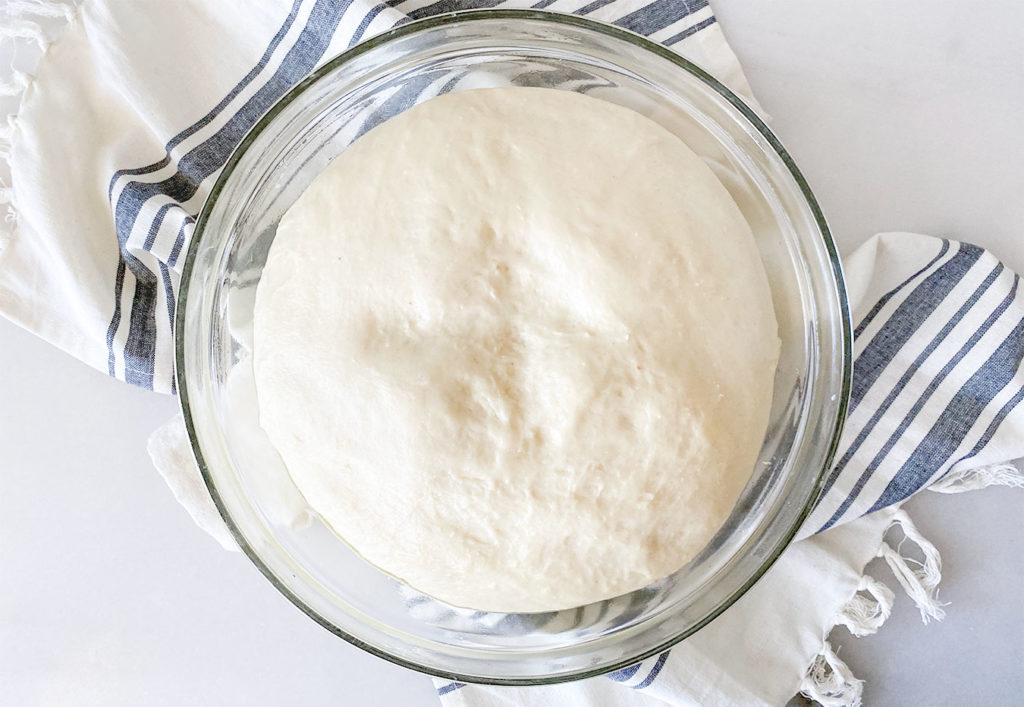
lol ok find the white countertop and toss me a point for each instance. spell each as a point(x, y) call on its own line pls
point(903, 116)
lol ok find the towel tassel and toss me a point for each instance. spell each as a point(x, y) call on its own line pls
point(16, 85)
point(919, 579)
point(30, 21)
point(14, 28)
point(40, 8)
point(972, 479)
point(830, 682)
point(868, 609)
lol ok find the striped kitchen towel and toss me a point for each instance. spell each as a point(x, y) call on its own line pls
point(161, 93)
point(937, 379)
point(117, 137)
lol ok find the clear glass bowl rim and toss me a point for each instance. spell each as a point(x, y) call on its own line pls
point(556, 18)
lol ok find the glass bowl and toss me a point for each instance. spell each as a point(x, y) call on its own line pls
point(312, 124)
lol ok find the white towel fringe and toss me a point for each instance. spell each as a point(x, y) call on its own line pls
point(16, 85)
point(39, 8)
point(919, 579)
point(830, 682)
point(972, 479)
point(37, 22)
point(16, 28)
point(869, 608)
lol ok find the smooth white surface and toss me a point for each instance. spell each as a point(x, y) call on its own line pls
point(902, 116)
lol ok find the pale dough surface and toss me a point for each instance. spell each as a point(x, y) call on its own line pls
point(516, 346)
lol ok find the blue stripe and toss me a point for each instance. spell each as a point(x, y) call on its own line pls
point(907, 319)
point(991, 429)
point(605, 605)
point(165, 276)
point(659, 15)
point(194, 167)
point(206, 119)
point(155, 167)
point(141, 343)
point(595, 5)
point(907, 375)
point(624, 674)
point(348, 121)
point(154, 228)
point(365, 23)
point(450, 687)
point(870, 316)
point(450, 83)
point(654, 672)
point(404, 98)
point(442, 6)
point(535, 621)
point(115, 319)
point(559, 76)
point(689, 31)
point(578, 616)
point(956, 420)
point(179, 241)
point(931, 440)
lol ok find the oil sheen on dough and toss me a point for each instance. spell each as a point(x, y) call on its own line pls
point(516, 346)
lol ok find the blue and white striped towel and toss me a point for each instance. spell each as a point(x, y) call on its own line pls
point(102, 207)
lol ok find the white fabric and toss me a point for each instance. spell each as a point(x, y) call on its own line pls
point(169, 449)
point(127, 75)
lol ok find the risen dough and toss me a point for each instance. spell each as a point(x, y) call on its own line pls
point(516, 346)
